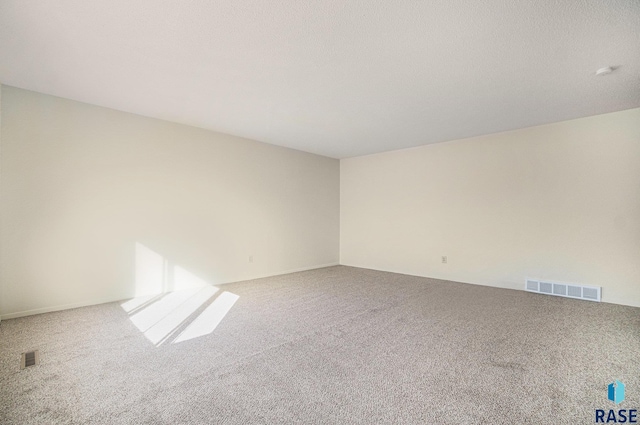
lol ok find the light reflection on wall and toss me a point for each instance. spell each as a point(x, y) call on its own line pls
point(171, 304)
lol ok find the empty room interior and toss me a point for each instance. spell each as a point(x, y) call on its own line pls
point(385, 212)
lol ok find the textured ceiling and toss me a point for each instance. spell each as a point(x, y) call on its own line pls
point(333, 77)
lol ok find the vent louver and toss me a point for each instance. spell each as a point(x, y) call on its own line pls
point(591, 294)
point(532, 285)
point(559, 289)
point(583, 292)
point(546, 288)
point(30, 358)
point(574, 291)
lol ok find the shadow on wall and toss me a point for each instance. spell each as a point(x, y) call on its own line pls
point(172, 305)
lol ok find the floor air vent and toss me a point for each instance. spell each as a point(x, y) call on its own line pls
point(591, 293)
point(28, 359)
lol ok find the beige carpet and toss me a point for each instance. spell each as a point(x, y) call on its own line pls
point(334, 345)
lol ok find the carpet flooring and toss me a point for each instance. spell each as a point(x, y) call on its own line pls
point(327, 346)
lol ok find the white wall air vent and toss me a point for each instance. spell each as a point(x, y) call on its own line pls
point(569, 290)
point(532, 285)
point(546, 288)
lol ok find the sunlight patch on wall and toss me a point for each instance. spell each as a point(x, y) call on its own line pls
point(171, 301)
point(151, 272)
point(182, 279)
point(154, 274)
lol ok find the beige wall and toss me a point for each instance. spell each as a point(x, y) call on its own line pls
point(92, 199)
point(1, 295)
point(559, 202)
